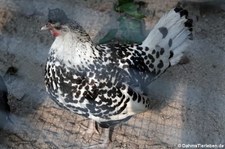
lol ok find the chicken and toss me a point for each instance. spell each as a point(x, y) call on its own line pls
point(108, 83)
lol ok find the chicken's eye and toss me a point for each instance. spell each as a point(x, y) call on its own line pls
point(50, 21)
point(58, 27)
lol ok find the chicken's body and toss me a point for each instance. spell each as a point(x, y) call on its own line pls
point(106, 83)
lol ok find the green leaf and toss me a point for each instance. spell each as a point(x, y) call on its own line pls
point(131, 29)
point(121, 2)
point(130, 9)
point(109, 36)
point(136, 14)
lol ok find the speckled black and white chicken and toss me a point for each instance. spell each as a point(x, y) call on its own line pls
point(107, 83)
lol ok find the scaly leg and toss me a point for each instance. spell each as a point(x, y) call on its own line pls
point(89, 131)
point(106, 139)
point(92, 127)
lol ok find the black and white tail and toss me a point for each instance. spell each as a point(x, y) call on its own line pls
point(173, 33)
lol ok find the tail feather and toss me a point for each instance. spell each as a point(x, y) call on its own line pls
point(173, 33)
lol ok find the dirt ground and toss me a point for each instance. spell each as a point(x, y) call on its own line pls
point(194, 93)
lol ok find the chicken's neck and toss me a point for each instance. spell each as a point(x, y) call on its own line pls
point(74, 51)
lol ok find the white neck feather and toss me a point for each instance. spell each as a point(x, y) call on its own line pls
point(72, 51)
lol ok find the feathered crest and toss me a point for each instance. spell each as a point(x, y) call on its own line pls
point(57, 16)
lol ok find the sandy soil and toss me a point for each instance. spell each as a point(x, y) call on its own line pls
point(194, 93)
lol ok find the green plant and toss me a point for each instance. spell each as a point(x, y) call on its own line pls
point(131, 23)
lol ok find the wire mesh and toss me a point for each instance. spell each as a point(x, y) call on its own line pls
point(40, 124)
point(49, 126)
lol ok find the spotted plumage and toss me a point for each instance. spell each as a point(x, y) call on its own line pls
point(107, 83)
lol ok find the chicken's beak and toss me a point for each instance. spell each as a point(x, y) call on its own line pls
point(44, 28)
